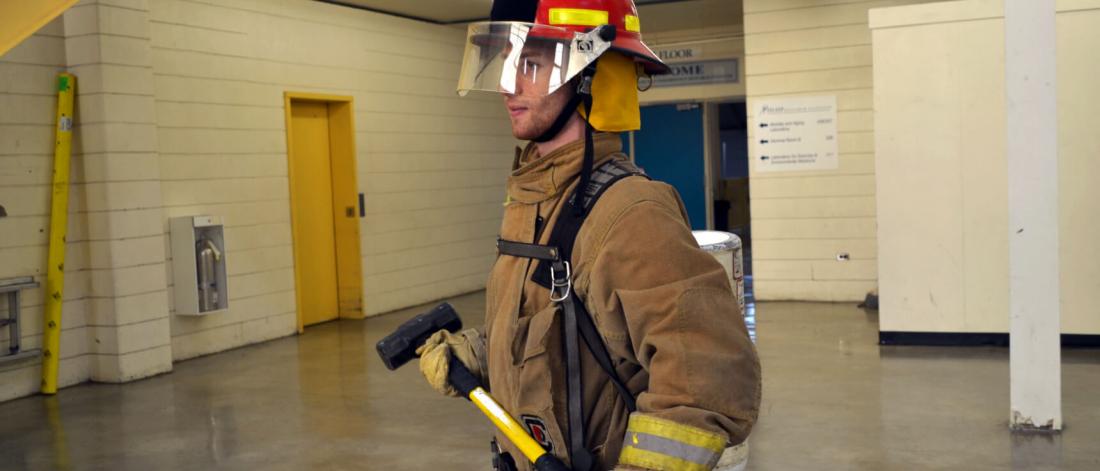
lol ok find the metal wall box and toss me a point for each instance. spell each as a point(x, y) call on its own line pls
point(200, 285)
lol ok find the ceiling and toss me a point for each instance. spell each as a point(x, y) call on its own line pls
point(697, 13)
point(434, 11)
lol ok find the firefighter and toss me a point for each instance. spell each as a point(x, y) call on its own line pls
point(664, 375)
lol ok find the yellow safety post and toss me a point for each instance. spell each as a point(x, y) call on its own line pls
point(59, 220)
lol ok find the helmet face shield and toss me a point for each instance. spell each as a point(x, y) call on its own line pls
point(524, 58)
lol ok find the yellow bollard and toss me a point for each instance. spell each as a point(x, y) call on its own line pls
point(59, 219)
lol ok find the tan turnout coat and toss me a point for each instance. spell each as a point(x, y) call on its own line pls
point(663, 306)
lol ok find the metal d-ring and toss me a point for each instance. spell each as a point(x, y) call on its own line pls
point(563, 286)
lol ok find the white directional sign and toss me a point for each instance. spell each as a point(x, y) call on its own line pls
point(795, 134)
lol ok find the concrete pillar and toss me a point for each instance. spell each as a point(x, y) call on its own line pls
point(108, 48)
point(1034, 287)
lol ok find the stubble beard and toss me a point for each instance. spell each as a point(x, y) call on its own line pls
point(540, 115)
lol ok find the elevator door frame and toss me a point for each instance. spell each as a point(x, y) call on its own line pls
point(345, 201)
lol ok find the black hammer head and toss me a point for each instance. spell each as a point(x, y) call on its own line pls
point(400, 346)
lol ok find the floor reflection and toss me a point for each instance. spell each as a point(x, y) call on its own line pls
point(833, 399)
point(59, 445)
point(1036, 450)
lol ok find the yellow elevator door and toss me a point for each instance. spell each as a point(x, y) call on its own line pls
point(311, 196)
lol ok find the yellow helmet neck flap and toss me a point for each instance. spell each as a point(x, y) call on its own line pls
point(615, 95)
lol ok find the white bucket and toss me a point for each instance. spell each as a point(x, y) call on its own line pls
point(726, 248)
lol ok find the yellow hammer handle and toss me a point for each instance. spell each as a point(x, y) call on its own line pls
point(512, 429)
point(461, 378)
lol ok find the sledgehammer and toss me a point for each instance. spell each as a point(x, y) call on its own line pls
point(400, 347)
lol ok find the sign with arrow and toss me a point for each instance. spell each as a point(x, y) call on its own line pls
point(795, 134)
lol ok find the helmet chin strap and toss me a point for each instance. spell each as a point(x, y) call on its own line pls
point(598, 41)
point(603, 35)
point(584, 90)
point(583, 95)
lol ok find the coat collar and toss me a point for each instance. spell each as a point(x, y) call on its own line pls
point(536, 178)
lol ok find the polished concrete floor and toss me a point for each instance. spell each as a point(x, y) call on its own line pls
point(833, 400)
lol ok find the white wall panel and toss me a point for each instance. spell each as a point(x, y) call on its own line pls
point(942, 175)
point(803, 47)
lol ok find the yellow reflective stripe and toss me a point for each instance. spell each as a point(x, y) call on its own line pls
point(631, 456)
point(686, 434)
point(577, 16)
point(633, 24)
point(669, 447)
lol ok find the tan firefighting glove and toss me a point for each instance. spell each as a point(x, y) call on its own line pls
point(467, 346)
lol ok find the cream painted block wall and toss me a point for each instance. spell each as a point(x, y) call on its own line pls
point(108, 48)
point(27, 106)
point(432, 165)
point(942, 182)
point(802, 220)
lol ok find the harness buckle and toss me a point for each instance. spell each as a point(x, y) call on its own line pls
point(584, 87)
point(560, 287)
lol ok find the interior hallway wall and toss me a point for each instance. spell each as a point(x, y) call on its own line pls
point(108, 49)
point(945, 252)
point(28, 101)
point(802, 220)
point(115, 318)
point(432, 165)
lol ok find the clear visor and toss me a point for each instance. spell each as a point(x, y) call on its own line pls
point(524, 58)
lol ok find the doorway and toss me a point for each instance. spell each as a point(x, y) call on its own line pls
point(325, 207)
point(670, 148)
point(731, 197)
point(702, 150)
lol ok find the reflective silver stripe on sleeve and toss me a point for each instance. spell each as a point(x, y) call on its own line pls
point(673, 448)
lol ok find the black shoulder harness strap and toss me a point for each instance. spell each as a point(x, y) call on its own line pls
point(566, 228)
point(554, 273)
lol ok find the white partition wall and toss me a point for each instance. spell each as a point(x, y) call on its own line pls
point(942, 172)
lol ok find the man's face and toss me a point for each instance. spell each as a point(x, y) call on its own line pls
point(530, 109)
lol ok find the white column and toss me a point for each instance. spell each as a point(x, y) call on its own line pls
point(108, 48)
point(1034, 288)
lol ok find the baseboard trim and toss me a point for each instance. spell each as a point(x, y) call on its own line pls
point(973, 339)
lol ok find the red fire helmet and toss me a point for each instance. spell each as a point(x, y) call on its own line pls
point(542, 44)
point(583, 15)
